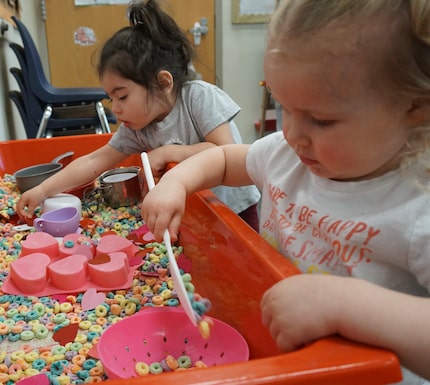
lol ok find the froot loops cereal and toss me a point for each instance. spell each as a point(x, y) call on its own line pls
point(29, 324)
point(168, 364)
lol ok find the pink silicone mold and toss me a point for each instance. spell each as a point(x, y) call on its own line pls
point(46, 266)
point(69, 272)
point(113, 272)
point(30, 280)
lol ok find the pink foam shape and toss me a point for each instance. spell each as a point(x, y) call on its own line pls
point(112, 243)
point(69, 272)
point(37, 379)
point(77, 240)
point(114, 272)
point(40, 242)
point(29, 272)
point(91, 299)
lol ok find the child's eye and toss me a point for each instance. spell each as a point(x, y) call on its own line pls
point(123, 97)
point(322, 122)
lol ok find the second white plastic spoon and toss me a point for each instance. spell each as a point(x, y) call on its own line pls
point(174, 269)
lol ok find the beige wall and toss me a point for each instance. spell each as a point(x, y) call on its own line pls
point(239, 66)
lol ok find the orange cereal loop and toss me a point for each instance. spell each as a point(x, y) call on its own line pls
point(96, 371)
point(157, 300)
point(137, 290)
point(4, 329)
point(75, 368)
point(115, 309)
point(17, 328)
point(101, 321)
point(79, 359)
point(171, 362)
point(200, 364)
point(151, 281)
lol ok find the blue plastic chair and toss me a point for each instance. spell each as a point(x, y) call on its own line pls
point(18, 100)
point(50, 96)
point(57, 120)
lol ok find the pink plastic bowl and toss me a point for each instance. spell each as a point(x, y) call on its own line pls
point(152, 334)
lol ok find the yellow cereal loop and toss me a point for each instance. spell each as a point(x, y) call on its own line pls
point(141, 368)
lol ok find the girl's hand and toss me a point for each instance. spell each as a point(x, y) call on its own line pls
point(159, 161)
point(29, 201)
point(163, 207)
point(301, 309)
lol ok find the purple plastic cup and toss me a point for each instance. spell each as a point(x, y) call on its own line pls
point(59, 222)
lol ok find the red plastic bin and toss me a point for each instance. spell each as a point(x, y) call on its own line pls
point(232, 266)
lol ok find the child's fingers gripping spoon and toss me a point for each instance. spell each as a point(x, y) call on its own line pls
point(174, 270)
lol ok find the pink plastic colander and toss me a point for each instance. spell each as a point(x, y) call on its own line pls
point(152, 334)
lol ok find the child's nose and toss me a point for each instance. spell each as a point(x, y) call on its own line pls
point(115, 108)
point(294, 133)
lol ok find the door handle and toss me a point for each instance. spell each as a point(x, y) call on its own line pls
point(200, 28)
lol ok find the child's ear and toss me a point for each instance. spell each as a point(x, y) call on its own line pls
point(419, 112)
point(165, 80)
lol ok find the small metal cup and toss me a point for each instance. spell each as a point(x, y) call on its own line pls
point(121, 186)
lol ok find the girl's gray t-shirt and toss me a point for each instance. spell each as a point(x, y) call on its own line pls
point(199, 109)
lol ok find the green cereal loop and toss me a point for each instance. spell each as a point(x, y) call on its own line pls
point(40, 308)
point(155, 368)
point(189, 287)
point(59, 318)
point(26, 335)
point(11, 313)
point(75, 346)
point(9, 322)
point(41, 331)
point(92, 317)
point(186, 277)
point(184, 362)
point(58, 350)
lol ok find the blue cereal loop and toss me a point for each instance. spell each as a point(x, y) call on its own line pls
point(38, 364)
point(69, 244)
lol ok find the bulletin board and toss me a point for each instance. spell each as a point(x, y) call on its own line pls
point(9, 8)
point(251, 11)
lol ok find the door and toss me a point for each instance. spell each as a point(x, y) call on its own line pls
point(75, 33)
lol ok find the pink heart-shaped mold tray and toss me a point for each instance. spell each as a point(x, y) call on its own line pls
point(47, 266)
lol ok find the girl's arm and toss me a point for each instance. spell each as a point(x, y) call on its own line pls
point(81, 171)
point(163, 206)
point(303, 308)
point(160, 157)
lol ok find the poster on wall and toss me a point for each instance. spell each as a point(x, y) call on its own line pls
point(251, 11)
point(79, 3)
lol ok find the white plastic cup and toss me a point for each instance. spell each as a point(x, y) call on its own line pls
point(62, 200)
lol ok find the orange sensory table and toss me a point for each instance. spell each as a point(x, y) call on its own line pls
point(232, 266)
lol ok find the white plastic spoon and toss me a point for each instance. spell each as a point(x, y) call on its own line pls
point(174, 269)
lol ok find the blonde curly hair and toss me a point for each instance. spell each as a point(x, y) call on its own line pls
point(401, 68)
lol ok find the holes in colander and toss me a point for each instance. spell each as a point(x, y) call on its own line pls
point(127, 348)
point(221, 355)
point(186, 340)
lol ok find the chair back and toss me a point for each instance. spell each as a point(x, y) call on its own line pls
point(33, 64)
point(29, 127)
point(40, 85)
